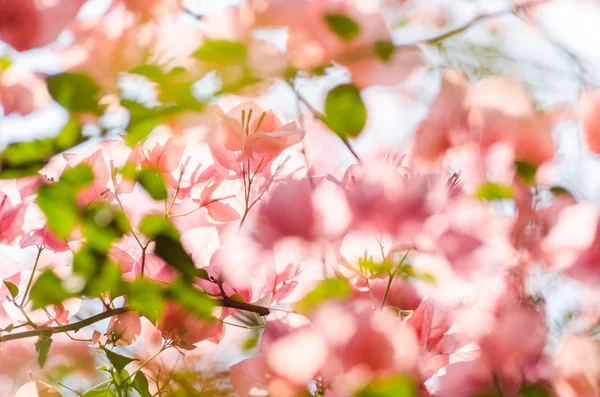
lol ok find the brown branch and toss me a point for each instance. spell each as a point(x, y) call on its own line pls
point(249, 307)
point(225, 302)
point(64, 328)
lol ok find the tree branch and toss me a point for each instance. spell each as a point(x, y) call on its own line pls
point(225, 302)
point(65, 328)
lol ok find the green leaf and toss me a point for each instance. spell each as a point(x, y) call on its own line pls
point(140, 129)
point(251, 342)
point(151, 72)
point(69, 136)
point(27, 158)
point(118, 361)
point(203, 274)
point(192, 299)
point(384, 50)
point(331, 288)
point(222, 52)
point(147, 298)
point(526, 171)
point(101, 275)
point(60, 207)
point(175, 255)
point(42, 347)
point(78, 177)
point(559, 190)
point(140, 384)
point(345, 111)
point(154, 225)
point(346, 28)
point(153, 182)
point(101, 393)
point(76, 92)
point(529, 390)
point(102, 225)
point(394, 386)
point(48, 290)
point(13, 289)
point(494, 191)
point(108, 280)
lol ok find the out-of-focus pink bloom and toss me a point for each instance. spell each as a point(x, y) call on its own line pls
point(105, 47)
point(577, 366)
point(37, 388)
point(22, 91)
point(501, 110)
point(588, 112)
point(124, 329)
point(391, 198)
point(20, 356)
point(185, 329)
point(446, 123)
point(27, 24)
point(250, 377)
point(297, 209)
point(152, 9)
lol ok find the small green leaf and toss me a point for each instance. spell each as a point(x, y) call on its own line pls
point(175, 255)
point(118, 361)
point(154, 225)
point(526, 171)
point(153, 182)
point(331, 288)
point(140, 129)
point(203, 274)
point(79, 176)
point(76, 92)
point(393, 386)
point(42, 347)
point(192, 299)
point(101, 393)
point(140, 384)
point(48, 290)
point(151, 72)
point(27, 158)
point(345, 111)
point(346, 28)
point(494, 191)
point(13, 289)
point(222, 52)
point(102, 225)
point(147, 298)
point(251, 342)
point(60, 207)
point(384, 50)
point(530, 390)
point(558, 191)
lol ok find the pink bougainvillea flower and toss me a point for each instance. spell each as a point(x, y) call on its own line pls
point(124, 329)
point(588, 111)
point(105, 47)
point(446, 123)
point(577, 366)
point(250, 133)
point(22, 91)
point(250, 377)
point(28, 24)
point(186, 329)
point(501, 109)
point(99, 187)
point(152, 9)
point(37, 388)
point(296, 208)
